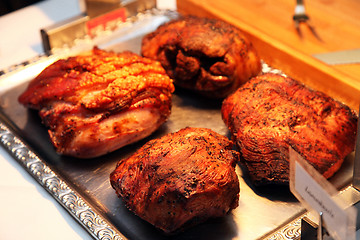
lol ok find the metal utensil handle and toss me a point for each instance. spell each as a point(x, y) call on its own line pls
point(320, 231)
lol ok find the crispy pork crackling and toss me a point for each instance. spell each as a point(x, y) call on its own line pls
point(98, 102)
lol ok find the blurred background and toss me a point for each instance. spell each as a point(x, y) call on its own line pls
point(7, 6)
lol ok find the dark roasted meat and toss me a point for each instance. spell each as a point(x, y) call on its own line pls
point(180, 179)
point(270, 113)
point(95, 103)
point(209, 56)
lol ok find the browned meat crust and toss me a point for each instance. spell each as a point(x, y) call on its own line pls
point(98, 102)
point(270, 113)
point(209, 56)
point(180, 179)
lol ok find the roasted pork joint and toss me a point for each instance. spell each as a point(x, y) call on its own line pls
point(98, 102)
point(208, 56)
point(271, 112)
point(179, 180)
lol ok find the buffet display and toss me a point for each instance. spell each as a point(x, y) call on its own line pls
point(178, 131)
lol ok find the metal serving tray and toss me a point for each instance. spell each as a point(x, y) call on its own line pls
point(82, 186)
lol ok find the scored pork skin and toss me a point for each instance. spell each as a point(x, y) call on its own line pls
point(97, 102)
point(271, 112)
point(180, 179)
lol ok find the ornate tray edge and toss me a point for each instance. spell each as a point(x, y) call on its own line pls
point(290, 230)
point(95, 224)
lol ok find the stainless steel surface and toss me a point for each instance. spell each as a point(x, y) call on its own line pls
point(263, 212)
point(356, 175)
point(96, 8)
point(65, 34)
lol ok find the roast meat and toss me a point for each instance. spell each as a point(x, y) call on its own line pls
point(208, 56)
point(271, 113)
point(180, 179)
point(98, 102)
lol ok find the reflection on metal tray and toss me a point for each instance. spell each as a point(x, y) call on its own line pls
point(83, 187)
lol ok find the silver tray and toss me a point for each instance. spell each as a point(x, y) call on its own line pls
point(82, 187)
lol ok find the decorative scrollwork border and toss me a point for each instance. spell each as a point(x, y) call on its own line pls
point(292, 230)
point(98, 227)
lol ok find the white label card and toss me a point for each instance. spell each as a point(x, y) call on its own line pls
point(166, 4)
point(316, 193)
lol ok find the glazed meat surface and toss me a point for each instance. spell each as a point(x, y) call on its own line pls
point(209, 56)
point(270, 113)
point(95, 103)
point(180, 179)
